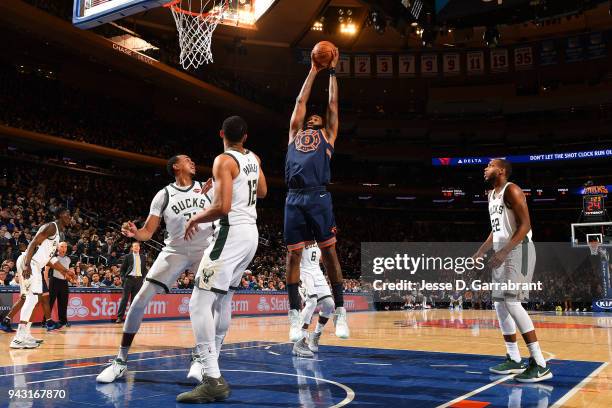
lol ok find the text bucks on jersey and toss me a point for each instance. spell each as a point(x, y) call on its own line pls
point(181, 205)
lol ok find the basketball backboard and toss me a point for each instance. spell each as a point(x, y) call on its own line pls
point(585, 232)
point(91, 13)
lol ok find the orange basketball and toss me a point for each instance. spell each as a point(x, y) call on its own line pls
point(323, 53)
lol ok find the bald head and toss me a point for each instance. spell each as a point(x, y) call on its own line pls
point(62, 248)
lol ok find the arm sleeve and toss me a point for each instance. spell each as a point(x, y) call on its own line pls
point(157, 205)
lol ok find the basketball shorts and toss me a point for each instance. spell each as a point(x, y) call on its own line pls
point(517, 268)
point(314, 285)
point(33, 285)
point(309, 213)
point(228, 256)
point(171, 262)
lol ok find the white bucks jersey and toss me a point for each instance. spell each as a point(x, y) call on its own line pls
point(46, 250)
point(503, 221)
point(177, 205)
point(309, 265)
point(244, 189)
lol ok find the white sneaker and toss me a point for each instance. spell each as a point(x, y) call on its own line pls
point(23, 343)
point(300, 349)
point(313, 342)
point(342, 329)
point(33, 339)
point(196, 369)
point(295, 332)
point(115, 370)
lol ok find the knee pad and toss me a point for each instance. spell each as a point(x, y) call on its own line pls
point(309, 307)
point(223, 313)
point(327, 307)
point(520, 316)
point(506, 321)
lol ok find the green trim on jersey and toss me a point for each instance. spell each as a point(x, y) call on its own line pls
point(219, 242)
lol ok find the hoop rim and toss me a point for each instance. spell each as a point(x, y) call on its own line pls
point(173, 5)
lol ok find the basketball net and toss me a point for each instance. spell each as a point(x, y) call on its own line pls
point(195, 25)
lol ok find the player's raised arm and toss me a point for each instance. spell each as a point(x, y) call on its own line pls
point(515, 200)
point(299, 111)
point(262, 185)
point(224, 171)
point(47, 231)
point(332, 105)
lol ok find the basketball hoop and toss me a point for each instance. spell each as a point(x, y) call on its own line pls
point(196, 20)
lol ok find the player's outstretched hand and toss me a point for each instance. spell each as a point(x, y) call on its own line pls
point(334, 61)
point(129, 229)
point(27, 272)
point(190, 229)
point(207, 186)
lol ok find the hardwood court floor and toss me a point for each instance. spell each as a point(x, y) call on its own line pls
point(578, 338)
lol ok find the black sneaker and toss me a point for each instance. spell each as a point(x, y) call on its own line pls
point(211, 390)
point(6, 326)
point(535, 373)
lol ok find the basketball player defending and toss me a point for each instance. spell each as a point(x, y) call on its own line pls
point(308, 207)
point(29, 268)
point(176, 204)
point(239, 182)
point(514, 261)
point(317, 292)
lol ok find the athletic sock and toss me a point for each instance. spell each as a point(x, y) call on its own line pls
point(219, 343)
point(338, 292)
point(208, 353)
point(536, 353)
point(294, 296)
point(319, 328)
point(513, 351)
point(123, 353)
point(21, 331)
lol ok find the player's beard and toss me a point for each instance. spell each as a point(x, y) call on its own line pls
point(314, 127)
point(492, 180)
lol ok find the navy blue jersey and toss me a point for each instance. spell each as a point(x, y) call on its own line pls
point(307, 162)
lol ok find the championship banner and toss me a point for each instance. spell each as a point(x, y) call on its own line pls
point(548, 53)
point(523, 58)
point(429, 64)
point(451, 64)
point(103, 306)
point(407, 65)
point(362, 65)
point(574, 52)
point(384, 65)
point(475, 62)
point(597, 46)
point(499, 60)
point(344, 65)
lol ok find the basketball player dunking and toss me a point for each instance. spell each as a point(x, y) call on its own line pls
point(176, 203)
point(29, 268)
point(514, 260)
point(308, 207)
point(239, 182)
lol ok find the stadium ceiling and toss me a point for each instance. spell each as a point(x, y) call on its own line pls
point(395, 24)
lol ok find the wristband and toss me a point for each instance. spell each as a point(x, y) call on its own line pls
point(332, 71)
